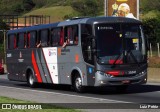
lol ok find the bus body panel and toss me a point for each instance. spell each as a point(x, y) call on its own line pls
point(50, 56)
point(69, 59)
point(55, 65)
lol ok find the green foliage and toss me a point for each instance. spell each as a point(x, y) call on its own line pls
point(15, 6)
point(28, 5)
point(87, 7)
point(148, 5)
point(6, 6)
point(40, 3)
point(152, 29)
point(56, 13)
point(1, 51)
point(3, 26)
point(49, 3)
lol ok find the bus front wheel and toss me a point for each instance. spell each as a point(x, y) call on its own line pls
point(78, 84)
point(30, 80)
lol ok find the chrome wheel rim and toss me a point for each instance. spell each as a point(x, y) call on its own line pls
point(31, 80)
point(78, 83)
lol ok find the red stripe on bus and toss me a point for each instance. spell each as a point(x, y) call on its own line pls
point(35, 66)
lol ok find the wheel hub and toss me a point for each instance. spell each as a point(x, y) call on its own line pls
point(31, 80)
point(78, 83)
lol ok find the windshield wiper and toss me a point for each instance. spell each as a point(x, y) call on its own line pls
point(133, 56)
point(114, 63)
point(128, 52)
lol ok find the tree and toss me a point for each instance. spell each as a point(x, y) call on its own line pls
point(3, 26)
point(40, 3)
point(28, 5)
point(148, 5)
point(17, 8)
point(152, 30)
point(86, 7)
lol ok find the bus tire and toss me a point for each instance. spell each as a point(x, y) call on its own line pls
point(31, 80)
point(78, 84)
point(121, 89)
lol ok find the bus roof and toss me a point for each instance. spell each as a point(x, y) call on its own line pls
point(87, 20)
point(93, 20)
point(33, 28)
point(112, 19)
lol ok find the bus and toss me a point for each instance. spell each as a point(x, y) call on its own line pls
point(98, 51)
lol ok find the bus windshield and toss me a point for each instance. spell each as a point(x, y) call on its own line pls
point(119, 43)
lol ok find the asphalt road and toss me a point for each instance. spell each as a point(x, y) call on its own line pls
point(137, 94)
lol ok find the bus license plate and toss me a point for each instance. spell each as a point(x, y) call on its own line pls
point(126, 81)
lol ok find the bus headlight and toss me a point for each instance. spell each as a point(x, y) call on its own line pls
point(104, 74)
point(142, 73)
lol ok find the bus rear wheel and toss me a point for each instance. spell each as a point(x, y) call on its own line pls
point(30, 80)
point(78, 84)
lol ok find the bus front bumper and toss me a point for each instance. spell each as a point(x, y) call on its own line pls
point(102, 79)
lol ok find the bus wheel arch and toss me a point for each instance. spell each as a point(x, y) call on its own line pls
point(30, 78)
point(76, 81)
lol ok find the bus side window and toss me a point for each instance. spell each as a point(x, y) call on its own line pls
point(21, 41)
point(55, 37)
point(32, 39)
point(71, 35)
point(53, 33)
point(86, 31)
point(28, 39)
point(11, 41)
point(25, 40)
point(44, 38)
point(75, 35)
point(15, 41)
point(61, 41)
point(68, 35)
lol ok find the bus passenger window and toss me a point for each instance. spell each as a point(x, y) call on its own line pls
point(11, 41)
point(21, 41)
point(44, 37)
point(56, 34)
point(61, 41)
point(76, 40)
point(28, 40)
point(68, 36)
point(25, 40)
point(71, 35)
point(75, 35)
point(15, 42)
point(32, 39)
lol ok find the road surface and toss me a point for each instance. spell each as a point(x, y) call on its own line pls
point(143, 94)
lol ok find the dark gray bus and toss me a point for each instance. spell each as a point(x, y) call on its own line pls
point(100, 51)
